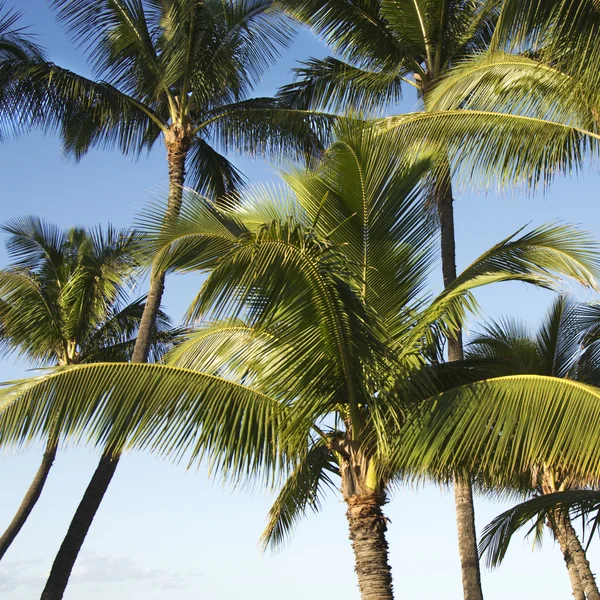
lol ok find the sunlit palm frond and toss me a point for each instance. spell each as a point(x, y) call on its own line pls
point(174, 412)
point(507, 425)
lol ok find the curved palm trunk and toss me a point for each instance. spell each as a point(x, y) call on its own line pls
point(31, 497)
point(463, 495)
point(577, 552)
point(177, 148)
point(560, 532)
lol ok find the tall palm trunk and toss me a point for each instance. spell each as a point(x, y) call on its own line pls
point(576, 551)
point(560, 531)
point(367, 526)
point(31, 497)
point(463, 495)
point(367, 533)
point(177, 148)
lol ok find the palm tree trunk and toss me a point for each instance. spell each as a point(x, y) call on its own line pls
point(31, 497)
point(463, 495)
point(576, 550)
point(367, 533)
point(177, 148)
point(467, 539)
point(561, 535)
point(84, 515)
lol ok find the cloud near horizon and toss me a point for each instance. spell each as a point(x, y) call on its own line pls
point(93, 569)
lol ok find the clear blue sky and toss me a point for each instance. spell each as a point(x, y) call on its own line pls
point(164, 532)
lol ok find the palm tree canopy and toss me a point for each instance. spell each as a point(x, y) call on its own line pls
point(64, 299)
point(16, 43)
point(182, 70)
point(383, 45)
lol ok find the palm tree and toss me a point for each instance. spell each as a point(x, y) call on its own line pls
point(386, 45)
point(62, 303)
point(554, 350)
point(178, 71)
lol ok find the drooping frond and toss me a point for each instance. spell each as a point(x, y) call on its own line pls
point(169, 411)
point(540, 257)
point(268, 127)
point(331, 84)
point(504, 426)
point(498, 534)
point(487, 147)
point(302, 491)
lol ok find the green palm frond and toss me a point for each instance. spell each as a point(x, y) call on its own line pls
point(210, 173)
point(539, 257)
point(367, 195)
point(169, 411)
point(303, 490)
point(487, 147)
point(267, 126)
point(196, 239)
point(31, 321)
point(518, 85)
point(506, 425)
point(498, 534)
point(330, 83)
point(15, 41)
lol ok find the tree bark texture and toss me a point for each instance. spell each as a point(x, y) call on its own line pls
point(576, 550)
point(467, 539)
point(177, 149)
point(367, 533)
point(463, 495)
point(31, 497)
point(178, 145)
point(560, 532)
point(78, 529)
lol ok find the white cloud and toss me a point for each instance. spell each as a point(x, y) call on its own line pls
point(94, 569)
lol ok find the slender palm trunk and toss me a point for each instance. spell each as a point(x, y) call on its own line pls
point(85, 513)
point(177, 148)
point(31, 497)
point(560, 532)
point(367, 532)
point(463, 495)
point(577, 552)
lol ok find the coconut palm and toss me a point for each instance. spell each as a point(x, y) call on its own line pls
point(317, 344)
point(386, 45)
point(178, 71)
point(62, 302)
point(555, 349)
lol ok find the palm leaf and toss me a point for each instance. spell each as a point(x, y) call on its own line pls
point(303, 490)
point(166, 410)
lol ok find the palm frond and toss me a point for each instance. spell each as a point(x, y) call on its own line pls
point(506, 425)
point(169, 411)
point(498, 534)
point(303, 490)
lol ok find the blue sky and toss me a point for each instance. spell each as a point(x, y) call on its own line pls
point(164, 532)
